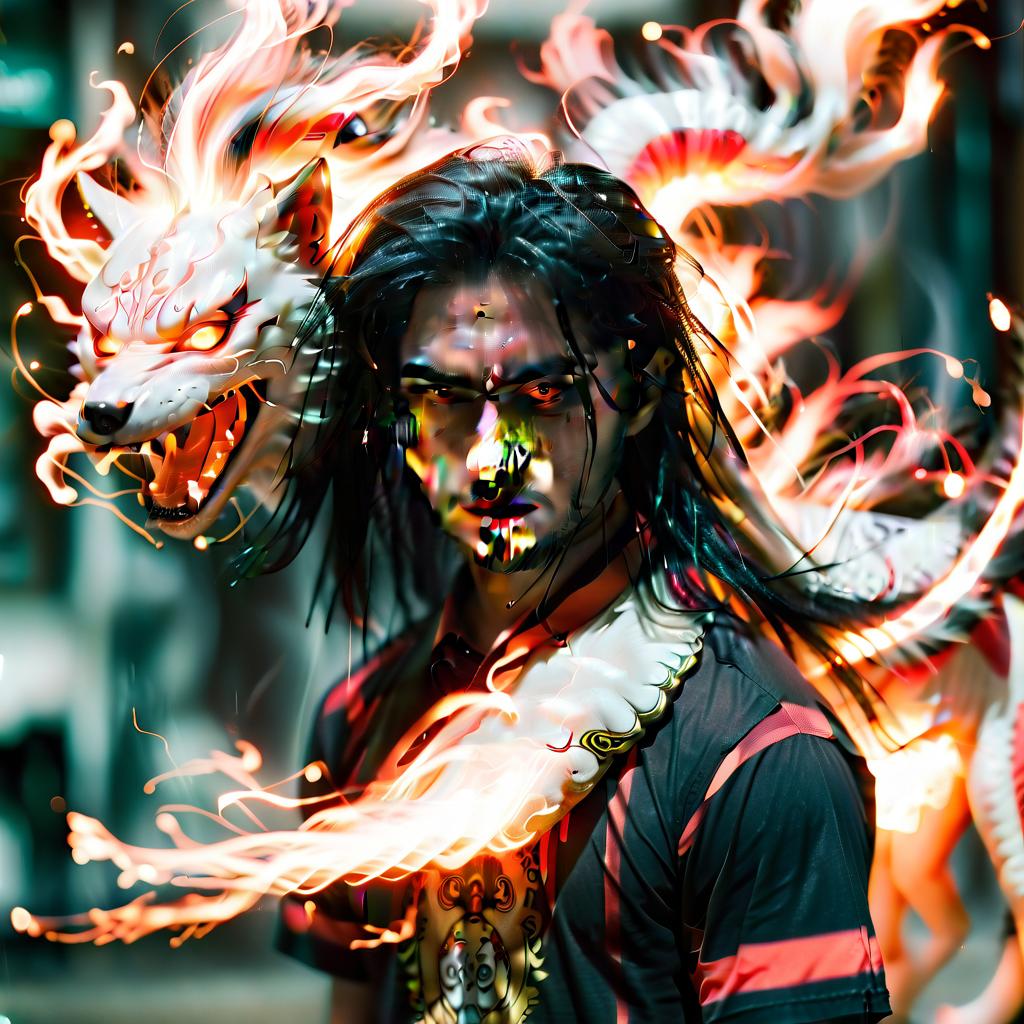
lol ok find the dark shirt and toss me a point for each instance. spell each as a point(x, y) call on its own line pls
point(717, 872)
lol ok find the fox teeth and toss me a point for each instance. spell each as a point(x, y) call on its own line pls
point(220, 398)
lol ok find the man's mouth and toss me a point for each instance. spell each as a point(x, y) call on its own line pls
point(182, 468)
point(500, 513)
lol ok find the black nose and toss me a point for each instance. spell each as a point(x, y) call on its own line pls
point(106, 418)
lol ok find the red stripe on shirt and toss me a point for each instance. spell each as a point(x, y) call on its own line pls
point(785, 721)
point(613, 880)
point(758, 966)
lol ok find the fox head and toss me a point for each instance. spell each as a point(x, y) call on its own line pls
point(190, 349)
point(193, 361)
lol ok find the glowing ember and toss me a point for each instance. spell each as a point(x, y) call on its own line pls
point(953, 485)
point(999, 314)
point(21, 920)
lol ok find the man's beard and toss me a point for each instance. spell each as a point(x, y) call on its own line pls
point(545, 552)
point(539, 554)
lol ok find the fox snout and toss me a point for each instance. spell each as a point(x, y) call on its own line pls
point(101, 420)
point(128, 407)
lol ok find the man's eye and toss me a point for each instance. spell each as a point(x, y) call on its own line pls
point(437, 394)
point(544, 394)
point(441, 395)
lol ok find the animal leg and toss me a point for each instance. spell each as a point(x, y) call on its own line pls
point(920, 870)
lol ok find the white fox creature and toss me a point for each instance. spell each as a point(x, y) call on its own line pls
point(188, 346)
point(194, 375)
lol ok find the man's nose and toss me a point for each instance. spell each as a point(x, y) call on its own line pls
point(105, 418)
point(509, 476)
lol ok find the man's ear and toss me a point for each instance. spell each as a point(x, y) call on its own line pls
point(655, 376)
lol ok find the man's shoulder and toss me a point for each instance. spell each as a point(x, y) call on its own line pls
point(753, 660)
point(741, 680)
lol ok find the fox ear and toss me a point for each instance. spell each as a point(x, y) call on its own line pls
point(302, 209)
point(113, 211)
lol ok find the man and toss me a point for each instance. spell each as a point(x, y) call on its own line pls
point(686, 840)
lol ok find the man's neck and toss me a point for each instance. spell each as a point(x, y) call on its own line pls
point(576, 585)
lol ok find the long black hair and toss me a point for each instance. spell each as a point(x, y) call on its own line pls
point(609, 265)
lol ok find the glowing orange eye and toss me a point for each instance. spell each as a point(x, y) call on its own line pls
point(104, 345)
point(202, 339)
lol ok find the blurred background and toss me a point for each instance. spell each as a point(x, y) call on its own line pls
point(96, 626)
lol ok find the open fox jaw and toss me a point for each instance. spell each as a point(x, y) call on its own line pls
point(189, 348)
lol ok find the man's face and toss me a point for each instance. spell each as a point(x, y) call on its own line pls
point(512, 454)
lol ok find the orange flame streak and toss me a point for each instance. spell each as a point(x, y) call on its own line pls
point(56, 421)
point(695, 139)
point(155, 735)
point(405, 930)
point(26, 372)
point(379, 835)
point(109, 507)
point(955, 584)
point(480, 780)
point(81, 258)
point(53, 304)
point(823, 406)
point(478, 122)
point(239, 768)
point(243, 518)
